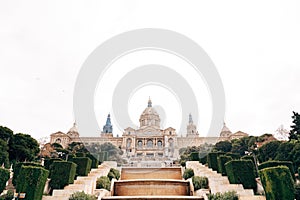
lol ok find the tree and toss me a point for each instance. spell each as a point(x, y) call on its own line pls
point(23, 147)
point(268, 151)
point(5, 133)
point(4, 156)
point(295, 131)
point(224, 146)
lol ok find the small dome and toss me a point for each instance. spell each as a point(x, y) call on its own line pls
point(225, 132)
point(74, 128)
point(149, 116)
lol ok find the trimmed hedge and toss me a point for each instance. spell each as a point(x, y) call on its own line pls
point(80, 154)
point(188, 173)
point(231, 195)
point(278, 163)
point(241, 172)
point(81, 196)
point(212, 160)
point(200, 182)
point(247, 157)
point(62, 174)
point(221, 163)
point(4, 176)
point(194, 156)
point(203, 160)
point(84, 165)
point(103, 156)
point(17, 168)
point(48, 162)
point(95, 161)
point(278, 183)
point(32, 181)
point(234, 156)
point(113, 173)
point(103, 182)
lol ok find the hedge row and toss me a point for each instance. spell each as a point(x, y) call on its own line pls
point(32, 181)
point(48, 162)
point(222, 160)
point(4, 176)
point(234, 156)
point(212, 160)
point(95, 161)
point(83, 165)
point(277, 182)
point(17, 168)
point(241, 172)
point(278, 163)
point(62, 174)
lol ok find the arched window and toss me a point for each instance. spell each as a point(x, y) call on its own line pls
point(150, 144)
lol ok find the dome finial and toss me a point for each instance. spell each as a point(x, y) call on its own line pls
point(149, 102)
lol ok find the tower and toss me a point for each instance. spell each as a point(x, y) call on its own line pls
point(191, 128)
point(107, 128)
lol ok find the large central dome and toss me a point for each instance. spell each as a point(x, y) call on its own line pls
point(149, 117)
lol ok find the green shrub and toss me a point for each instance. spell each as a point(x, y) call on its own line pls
point(48, 162)
point(234, 156)
point(32, 181)
point(194, 156)
point(221, 164)
point(113, 173)
point(17, 168)
point(203, 160)
point(241, 172)
point(95, 161)
point(232, 195)
point(80, 154)
point(200, 182)
point(4, 176)
point(103, 156)
point(82, 196)
point(277, 182)
point(247, 157)
point(103, 182)
point(62, 174)
point(8, 196)
point(278, 163)
point(212, 160)
point(188, 173)
point(83, 165)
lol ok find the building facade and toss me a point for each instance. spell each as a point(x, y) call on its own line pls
point(149, 140)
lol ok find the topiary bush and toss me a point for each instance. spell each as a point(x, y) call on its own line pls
point(234, 156)
point(241, 172)
point(17, 168)
point(4, 176)
point(84, 165)
point(222, 160)
point(212, 160)
point(103, 156)
point(113, 173)
point(247, 157)
point(103, 182)
point(231, 195)
point(200, 182)
point(203, 160)
point(32, 181)
point(194, 156)
point(278, 163)
point(48, 162)
point(62, 174)
point(277, 182)
point(80, 154)
point(95, 161)
point(82, 196)
point(8, 196)
point(188, 173)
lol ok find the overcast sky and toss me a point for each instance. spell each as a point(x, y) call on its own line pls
point(255, 46)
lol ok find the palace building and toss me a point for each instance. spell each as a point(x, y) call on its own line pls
point(147, 141)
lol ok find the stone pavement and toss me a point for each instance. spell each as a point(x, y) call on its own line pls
point(219, 183)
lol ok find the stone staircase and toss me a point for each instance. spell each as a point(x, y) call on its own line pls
point(82, 183)
point(219, 183)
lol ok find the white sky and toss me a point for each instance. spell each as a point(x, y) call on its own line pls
point(255, 46)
